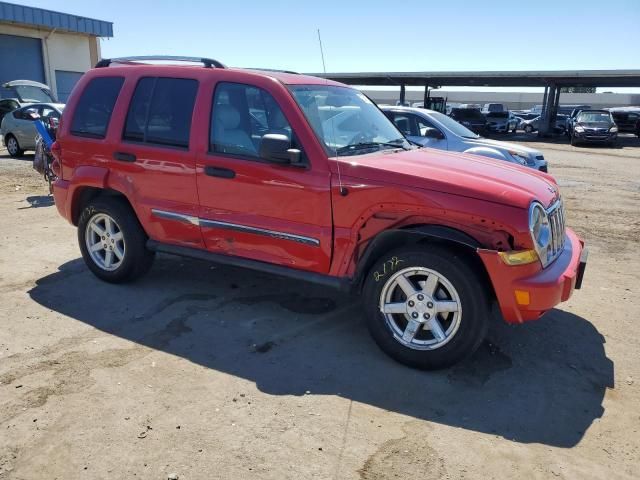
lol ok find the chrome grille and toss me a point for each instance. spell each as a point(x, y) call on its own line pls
point(557, 225)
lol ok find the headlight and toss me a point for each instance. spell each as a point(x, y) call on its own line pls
point(579, 129)
point(540, 230)
point(613, 129)
point(521, 158)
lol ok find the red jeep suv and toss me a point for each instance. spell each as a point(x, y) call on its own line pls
point(307, 178)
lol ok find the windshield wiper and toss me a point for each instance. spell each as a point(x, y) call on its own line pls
point(365, 145)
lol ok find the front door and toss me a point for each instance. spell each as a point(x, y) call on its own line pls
point(253, 208)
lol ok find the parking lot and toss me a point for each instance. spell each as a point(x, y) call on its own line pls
point(213, 372)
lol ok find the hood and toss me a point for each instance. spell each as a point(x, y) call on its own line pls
point(455, 173)
point(486, 142)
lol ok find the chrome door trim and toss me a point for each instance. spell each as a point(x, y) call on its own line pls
point(207, 223)
point(180, 217)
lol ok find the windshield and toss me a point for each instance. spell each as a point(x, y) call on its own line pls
point(345, 120)
point(450, 124)
point(468, 113)
point(498, 115)
point(594, 117)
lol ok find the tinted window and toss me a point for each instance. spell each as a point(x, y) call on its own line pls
point(241, 115)
point(404, 123)
point(161, 110)
point(95, 106)
point(8, 106)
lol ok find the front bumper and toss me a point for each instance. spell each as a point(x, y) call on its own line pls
point(587, 136)
point(498, 127)
point(544, 288)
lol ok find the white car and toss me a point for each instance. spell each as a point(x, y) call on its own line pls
point(18, 129)
point(435, 130)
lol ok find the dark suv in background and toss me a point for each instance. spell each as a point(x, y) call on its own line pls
point(594, 126)
point(471, 118)
point(627, 120)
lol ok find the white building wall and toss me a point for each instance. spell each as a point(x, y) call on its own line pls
point(72, 52)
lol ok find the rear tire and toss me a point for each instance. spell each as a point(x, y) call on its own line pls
point(13, 147)
point(426, 327)
point(112, 241)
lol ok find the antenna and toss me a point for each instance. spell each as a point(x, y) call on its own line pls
point(342, 189)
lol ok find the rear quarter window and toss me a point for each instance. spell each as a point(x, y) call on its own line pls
point(93, 112)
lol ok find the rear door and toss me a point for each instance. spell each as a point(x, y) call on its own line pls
point(154, 155)
point(250, 207)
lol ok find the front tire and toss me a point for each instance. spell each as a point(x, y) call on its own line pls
point(112, 241)
point(426, 307)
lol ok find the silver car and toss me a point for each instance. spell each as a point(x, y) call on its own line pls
point(435, 130)
point(18, 130)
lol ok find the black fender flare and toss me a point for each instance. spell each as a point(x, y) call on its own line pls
point(393, 238)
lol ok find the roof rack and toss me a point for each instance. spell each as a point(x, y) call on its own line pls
point(208, 62)
point(273, 70)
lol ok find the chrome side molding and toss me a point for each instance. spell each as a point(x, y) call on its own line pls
point(207, 223)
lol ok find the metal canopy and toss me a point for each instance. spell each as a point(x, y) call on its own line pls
point(39, 17)
point(560, 78)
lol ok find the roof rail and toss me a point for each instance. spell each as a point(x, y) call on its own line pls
point(273, 70)
point(208, 62)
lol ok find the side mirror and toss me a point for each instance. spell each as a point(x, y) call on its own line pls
point(276, 148)
point(433, 133)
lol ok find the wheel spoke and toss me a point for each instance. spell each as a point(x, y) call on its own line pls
point(429, 287)
point(405, 284)
point(96, 247)
point(410, 332)
point(119, 253)
point(97, 230)
point(444, 306)
point(117, 236)
point(108, 258)
point(108, 225)
point(400, 307)
point(436, 329)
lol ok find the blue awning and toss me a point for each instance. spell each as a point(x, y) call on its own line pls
point(39, 17)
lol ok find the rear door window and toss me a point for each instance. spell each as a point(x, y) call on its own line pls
point(95, 107)
point(160, 111)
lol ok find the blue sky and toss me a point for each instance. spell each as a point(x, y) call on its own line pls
point(375, 35)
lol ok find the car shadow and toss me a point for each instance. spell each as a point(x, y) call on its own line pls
point(38, 201)
point(27, 157)
point(541, 382)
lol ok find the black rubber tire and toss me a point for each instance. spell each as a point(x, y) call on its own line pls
point(138, 259)
point(17, 153)
point(473, 294)
point(573, 141)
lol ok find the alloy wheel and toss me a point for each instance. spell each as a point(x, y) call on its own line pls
point(421, 307)
point(105, 242)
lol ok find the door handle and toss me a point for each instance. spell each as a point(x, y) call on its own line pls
point(124, 157)
point(219, 172)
